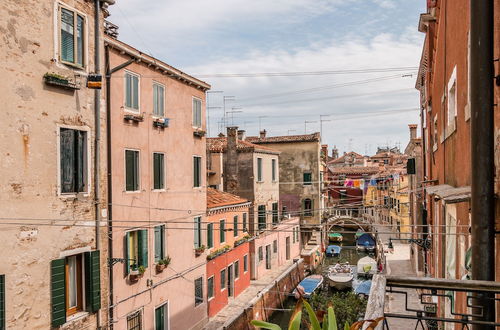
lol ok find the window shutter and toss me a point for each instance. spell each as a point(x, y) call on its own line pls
point(410, 166)
point(80, 160)
point(58, 292)
point(160, 318)
point(135, 90)
point(155, 99)
point(125, 253)
point(2, 302)
point(93, 281)
point(67, 154)
point(128, 90)
point(210, 235)
point(143, 248)
point(235, 226)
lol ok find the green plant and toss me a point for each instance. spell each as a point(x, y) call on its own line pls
point(165, 261)
point(349, 307)
point(141, 269)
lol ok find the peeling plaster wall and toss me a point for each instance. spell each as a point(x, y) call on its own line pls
point(31, 112)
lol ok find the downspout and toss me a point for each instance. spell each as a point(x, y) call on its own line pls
point(482, 151)
point(110, 185)
point(97, 138)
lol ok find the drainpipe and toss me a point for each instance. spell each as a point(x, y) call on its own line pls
point(97, 138)
point(482, 151)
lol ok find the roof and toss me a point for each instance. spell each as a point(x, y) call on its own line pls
point(219, 144)
point(156, 63)
point(217, 198)
point(356, 170)
point(314, 137)
point(450, 194)
point(341, 159)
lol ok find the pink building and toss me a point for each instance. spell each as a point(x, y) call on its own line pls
point(158, 195)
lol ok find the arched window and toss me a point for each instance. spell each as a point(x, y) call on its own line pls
point(308, 206)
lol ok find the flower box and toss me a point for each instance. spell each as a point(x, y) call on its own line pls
point(135, 118)
point(55, 79)
point(161, 122)
point(199, 133)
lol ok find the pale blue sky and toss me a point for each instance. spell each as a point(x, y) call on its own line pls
point(221, 36)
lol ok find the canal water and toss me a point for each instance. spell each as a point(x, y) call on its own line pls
point(348, 254)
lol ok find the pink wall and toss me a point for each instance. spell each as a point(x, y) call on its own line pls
point(214, 268)
point(146, 208)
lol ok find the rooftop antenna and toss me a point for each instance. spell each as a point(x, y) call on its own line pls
point(208, 109)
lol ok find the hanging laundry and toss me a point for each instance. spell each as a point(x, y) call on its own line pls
point(348, 182)
point(362, 184)
point(356, 183)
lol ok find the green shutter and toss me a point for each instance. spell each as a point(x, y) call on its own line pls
point(235, 225)
point(160, 318)
point(143, 247)
point(2, 302)
point(58, 292)
point(210, 235)
point(125, 253)
point(93, 281)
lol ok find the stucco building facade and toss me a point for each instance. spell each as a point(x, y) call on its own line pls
point(52, 195)
point(158, 180)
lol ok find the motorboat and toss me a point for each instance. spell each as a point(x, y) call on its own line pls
point(367, 266)
point(365, 242)
point(363, 288)
point(340, 276)
point(335, 237)
point(333, 251)
point(307, 286)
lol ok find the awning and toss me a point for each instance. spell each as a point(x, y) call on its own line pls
point(449, 194)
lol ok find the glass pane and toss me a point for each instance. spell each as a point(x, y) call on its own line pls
point(79, 40)
point(129, 170)
point(67, 160)
point(128, 90)
point(67, 35)
point(72, 279)
point(135, 92)
point(161, 100)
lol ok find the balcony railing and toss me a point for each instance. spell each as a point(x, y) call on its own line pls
point(439, 301)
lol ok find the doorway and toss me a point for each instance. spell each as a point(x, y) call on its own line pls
point(230, 280)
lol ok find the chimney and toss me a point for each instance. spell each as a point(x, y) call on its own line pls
point(242, 135)
point(413, 131)
point(231, 162)
point(324, 150)
point(335, 152)
point(263, 134)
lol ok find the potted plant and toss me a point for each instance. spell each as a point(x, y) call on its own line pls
point(52, 78)
point(134, 273)
point(162, 264)
point(199, 250)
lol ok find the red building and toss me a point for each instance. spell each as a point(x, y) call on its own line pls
point(228, 259)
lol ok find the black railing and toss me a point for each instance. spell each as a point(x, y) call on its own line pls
point(439, 302)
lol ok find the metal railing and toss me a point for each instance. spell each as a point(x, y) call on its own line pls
point(432, 302)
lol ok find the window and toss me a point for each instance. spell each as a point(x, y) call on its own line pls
point(452, 97)
point(75, 280)
point(131, 91)
point(196, 112)
point(198, 291)
point(435, 135)
point(131, 170)
point(245, 263)
point(259, 169)
point(73, 160)
point(275, 214)
point(287, 248)
point(210, 287)
point(235, 225)
point(307, 178)
point(245, 229)
point(137, 249)
point(273, 167)
point(134, 321)
point(196, 171)
point(161, 317)
point(343, 195)
point(275, 246)
point(261, 254)
point(197, 232)
point(297, 233)
point(72, 37)
point(159, 243)
point(262, 216)
point(158, 171)
point(210, 235)
point(223, 279)
point(158, 100)
point(293, 235)
point(308, 205)
point(237, 269)
point(222, 231)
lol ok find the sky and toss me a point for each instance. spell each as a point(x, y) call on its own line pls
point(290, 63)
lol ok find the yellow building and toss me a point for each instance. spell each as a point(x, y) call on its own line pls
point(399, 212)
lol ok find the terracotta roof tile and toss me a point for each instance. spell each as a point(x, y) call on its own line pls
point(217, 198)
point(219, 144)
point(315, 137)
point(341, 159)
point(356, 170)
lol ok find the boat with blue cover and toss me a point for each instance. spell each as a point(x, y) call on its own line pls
point(364, 288)
point(333, 251)
point(365, 242)
point(307, 286)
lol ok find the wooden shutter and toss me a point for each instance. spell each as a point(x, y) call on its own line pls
point(2, 302)
point(93, 281)
point(126, 255)
point(128, 90)
point(67, 160)
point(58, 292)
point(210, 235)
point(196, 171)
point(143, 247)
point(160, 318)
point(135, 92)
point(235, 225)
point(410, 166)
point(80, 139)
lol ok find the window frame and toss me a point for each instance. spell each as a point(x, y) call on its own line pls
point(235, 226)
point(125, 107)
point(275, 213)
point(80, 298)
point(222, 280)
point(273, 170)
point(245, 223)
point(261, 225)
point(88, 171)
point(308, 182)
point(210, 235)
point(138, 170)
point(58, 36)
point(154, 114)
point(193, 112)
point(197, 183)
point(197, 223)
point(308, 212)
point(197, 301)
point(163, 245)
point(260, 176)
point(236, 267)
point(452, 86)
point(167, 313)
point(260, 253)
point(245, 263)
point(210, 297)
point(163, 172)
point(222, 231)
point(275, 246)
point(138, 313)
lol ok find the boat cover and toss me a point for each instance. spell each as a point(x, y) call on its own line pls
point(309, 284)
point(365, 240)
point(364, 288)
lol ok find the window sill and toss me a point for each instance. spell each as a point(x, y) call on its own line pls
point(74, 195)
point(450, 129)
point(131, 110)
point(73, 318)
point(132, 191)
point(159, 190)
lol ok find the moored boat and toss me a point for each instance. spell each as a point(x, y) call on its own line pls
point(335, 237)
point(364, 288)
point(333, 251)
point(307, 286)
point(367, 266)
point(340, 276)
point(365, 242)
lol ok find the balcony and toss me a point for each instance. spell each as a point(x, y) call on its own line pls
point(431, 303)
